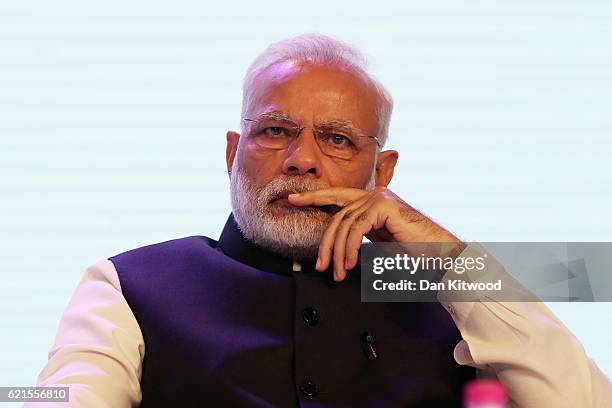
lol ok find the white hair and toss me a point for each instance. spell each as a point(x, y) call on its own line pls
point(321, 50)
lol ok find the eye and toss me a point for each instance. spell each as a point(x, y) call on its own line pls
point(337, 140)
point(273, 131)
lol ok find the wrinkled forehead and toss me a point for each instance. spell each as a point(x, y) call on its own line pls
point(312, 94)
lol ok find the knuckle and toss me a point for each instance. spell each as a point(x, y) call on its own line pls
point(361, 218)
point(326, 248)
point(347, 216)
point(355, 227)
point(339, 216)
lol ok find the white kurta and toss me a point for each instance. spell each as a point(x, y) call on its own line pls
point(99, 349)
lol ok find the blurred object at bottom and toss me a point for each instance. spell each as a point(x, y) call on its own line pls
point(484, 394)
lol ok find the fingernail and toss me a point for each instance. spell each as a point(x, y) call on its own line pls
point(318, 265)
point(347, 263)
point(293, 195)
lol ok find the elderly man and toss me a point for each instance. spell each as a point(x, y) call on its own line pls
point(270, 314)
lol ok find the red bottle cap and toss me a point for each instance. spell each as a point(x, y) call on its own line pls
point(484, 392)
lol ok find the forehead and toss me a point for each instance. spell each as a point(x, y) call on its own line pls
point(315, 93)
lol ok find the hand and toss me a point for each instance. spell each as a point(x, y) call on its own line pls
point(379, 215)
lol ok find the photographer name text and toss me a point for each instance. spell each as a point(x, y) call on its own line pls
point(423, 285)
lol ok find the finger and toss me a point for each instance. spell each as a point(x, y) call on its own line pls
point(339, 243)
point(340, 260)
point(327, 241)
point(340, 196)
point(363, 225)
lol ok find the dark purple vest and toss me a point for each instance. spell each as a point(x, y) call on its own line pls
point(230, 324)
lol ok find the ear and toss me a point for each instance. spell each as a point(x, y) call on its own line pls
point(231, 148)
point(384, 167)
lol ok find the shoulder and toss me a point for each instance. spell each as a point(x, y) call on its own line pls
point(164, 257)
point(160, 251)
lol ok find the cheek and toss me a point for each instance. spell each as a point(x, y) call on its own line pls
point(349, 174)
point(259, 165)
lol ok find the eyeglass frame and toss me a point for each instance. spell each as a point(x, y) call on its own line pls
point(298, 128)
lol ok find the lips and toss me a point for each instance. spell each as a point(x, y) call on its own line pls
point(282, 199)
point(284, 195)
point(281, 196)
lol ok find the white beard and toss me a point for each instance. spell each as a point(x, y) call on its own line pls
point(293, 232)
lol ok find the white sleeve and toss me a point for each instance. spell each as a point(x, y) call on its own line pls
point(98, 348)
point(528, 349)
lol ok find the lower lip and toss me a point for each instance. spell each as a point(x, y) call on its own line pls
point(282, 201)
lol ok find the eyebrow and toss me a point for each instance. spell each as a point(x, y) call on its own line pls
point(340, 124)
point(276, 115)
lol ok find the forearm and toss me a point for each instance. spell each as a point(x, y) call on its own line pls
point(529, 349)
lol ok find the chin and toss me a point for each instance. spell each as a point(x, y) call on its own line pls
point(289, 231)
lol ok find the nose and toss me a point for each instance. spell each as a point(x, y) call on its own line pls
point(303, 156)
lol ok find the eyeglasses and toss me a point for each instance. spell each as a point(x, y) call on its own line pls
point(337, 138)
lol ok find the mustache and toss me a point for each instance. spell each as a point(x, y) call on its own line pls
point(282, 186)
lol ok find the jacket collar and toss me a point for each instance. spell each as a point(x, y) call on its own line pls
point(233, 244)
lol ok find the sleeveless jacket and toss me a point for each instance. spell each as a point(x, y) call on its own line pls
point(230, 324)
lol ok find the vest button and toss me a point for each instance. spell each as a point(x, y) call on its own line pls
point(309, 389)
point(310, 316)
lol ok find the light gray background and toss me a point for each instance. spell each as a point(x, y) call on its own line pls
point(113, 117)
